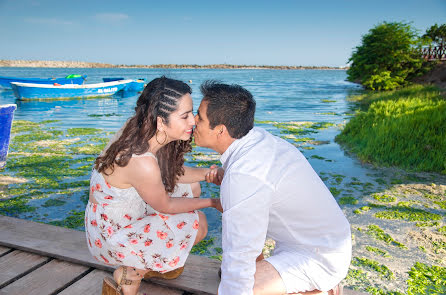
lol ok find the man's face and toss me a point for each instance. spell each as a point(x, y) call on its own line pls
point(204, 136)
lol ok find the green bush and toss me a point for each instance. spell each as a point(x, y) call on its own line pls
point(405, 128)
point(387, 58)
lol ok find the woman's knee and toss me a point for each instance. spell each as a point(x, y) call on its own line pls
point(196, 189)
point(202, 227)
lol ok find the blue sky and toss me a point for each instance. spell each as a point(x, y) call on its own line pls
point(258, 32)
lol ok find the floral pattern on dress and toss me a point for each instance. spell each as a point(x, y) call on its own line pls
point(123, 230)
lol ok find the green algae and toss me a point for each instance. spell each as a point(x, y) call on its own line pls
point(317, 157)
point(378, 251)
point(348, 201)
point(75, 220)
point(328, 100)
point(377, 233)
point(407, 214)
point(15, 206)
point(383, 270)
point(53, 203)
point(83, 131)
point(425, 279)
point(335, 191)
point(202, 246)
point(384, 198)
point(104, 115)
point(427, 224)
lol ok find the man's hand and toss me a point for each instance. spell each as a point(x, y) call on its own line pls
point(215, 175)
point(217, 205)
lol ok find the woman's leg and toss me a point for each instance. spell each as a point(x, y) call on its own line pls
point(196, 189)
point(202, 227)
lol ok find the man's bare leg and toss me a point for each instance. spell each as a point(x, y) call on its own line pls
point(269, 282)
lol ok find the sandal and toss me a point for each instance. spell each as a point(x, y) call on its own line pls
point(110, 287)
point(170, 275)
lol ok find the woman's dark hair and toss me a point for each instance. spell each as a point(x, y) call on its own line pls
point(229, 105)
point(159, 99)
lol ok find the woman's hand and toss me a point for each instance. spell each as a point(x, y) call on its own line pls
point(215, 175)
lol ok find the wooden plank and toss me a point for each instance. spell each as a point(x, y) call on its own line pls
point(200, 274)
point(91, 284)
point(4, 250)
point(18, 263)
point(47, 279)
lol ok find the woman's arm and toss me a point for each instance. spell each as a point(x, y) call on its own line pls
point(212, 174)
point(193, 174)
point(144, 175)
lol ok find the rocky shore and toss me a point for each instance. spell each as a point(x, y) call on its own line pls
point(79, 64)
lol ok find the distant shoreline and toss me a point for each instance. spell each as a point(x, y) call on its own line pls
point(78, 64)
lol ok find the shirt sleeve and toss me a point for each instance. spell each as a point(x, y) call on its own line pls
point(246, 202)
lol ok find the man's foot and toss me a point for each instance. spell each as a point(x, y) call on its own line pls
point(337, 290)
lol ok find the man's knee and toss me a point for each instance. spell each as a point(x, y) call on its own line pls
point(267, 280)
point(196, 189)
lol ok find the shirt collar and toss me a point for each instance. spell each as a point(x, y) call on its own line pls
point(233, 147)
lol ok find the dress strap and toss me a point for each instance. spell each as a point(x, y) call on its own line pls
point(147, 154)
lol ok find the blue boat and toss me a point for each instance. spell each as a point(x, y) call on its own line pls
point(6, 116)
point(26, 91)
point(136, 86)
point(5, 82)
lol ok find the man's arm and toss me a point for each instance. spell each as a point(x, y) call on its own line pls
point(246, 203)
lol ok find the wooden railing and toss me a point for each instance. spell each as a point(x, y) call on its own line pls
point(434, 53)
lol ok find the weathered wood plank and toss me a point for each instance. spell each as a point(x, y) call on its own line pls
point(4, 250)
point(199, 276)
point(91, 284)
point(18, 263)
point(47, 279)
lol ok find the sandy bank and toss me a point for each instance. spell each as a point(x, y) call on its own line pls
point(79, 64)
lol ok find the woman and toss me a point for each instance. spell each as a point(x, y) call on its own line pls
point(141, 212)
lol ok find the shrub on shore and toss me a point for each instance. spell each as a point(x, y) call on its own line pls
point(405, 128)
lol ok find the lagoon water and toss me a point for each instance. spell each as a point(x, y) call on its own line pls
point(281, 95)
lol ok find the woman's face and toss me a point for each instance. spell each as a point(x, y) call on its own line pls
point(181, 121)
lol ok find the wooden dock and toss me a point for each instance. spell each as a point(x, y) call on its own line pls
point(42, 259)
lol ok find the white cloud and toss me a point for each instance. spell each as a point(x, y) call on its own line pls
point(48, 21)
point(111, 17)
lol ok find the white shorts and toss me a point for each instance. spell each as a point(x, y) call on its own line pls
point(301, 273)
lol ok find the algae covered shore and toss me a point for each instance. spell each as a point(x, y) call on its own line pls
point(397, 217)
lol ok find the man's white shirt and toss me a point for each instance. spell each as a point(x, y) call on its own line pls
point(270, 190)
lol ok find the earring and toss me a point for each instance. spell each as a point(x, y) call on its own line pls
point(165, 137)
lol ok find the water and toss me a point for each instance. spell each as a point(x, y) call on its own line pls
point(281, 95)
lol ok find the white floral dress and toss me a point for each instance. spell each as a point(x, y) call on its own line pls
point(124, 230)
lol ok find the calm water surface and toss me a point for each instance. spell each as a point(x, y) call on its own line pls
point(281, 95)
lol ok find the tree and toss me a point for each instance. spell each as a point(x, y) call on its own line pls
point(388, 56)
point(436, 34)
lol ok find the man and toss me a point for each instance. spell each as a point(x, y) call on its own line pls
point(269, 190)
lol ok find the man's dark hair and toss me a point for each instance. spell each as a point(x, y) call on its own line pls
point(229, 105)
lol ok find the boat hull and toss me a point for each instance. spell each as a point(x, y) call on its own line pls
point(35, 91)
point(5, 82)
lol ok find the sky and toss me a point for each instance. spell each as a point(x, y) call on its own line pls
point(288, 32)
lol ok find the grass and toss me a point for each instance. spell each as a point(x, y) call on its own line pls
point(404, 128)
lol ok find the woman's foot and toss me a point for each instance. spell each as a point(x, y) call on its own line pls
point(128, 279)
